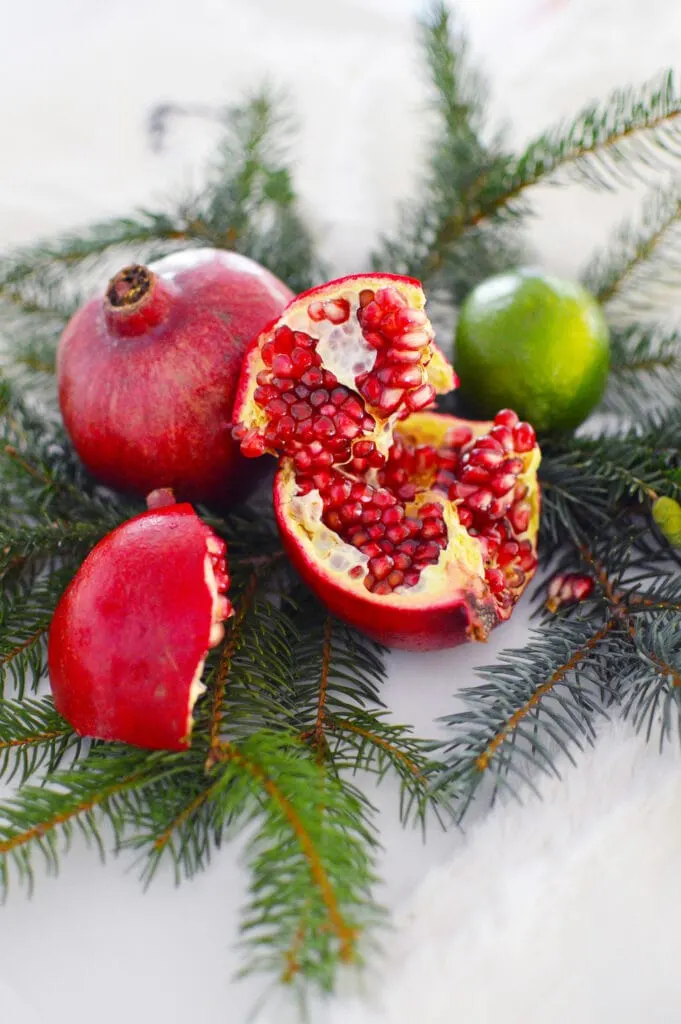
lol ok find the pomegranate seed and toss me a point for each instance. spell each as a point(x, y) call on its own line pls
point(502, 483)
point(402, 561)
point(481, 500)
point(286, 427)
point(432, 529)
point(396, 534)
point(395, 579)
point(457, 437)
point(282, 365)
point(507, 553)
point(465, 517)
point(496, 580)
point(570, 588)
point(371, 389)
point(284, 340)
point(393, 515)
point(389, 400)
point(372, 550)
point(420, 398)
point(323, 427)
point(524, 438)
point(407, 492)
point(383, 499)
point(487, 458)
point(413, 340)
point(519, 516)
point(351, 512)
point(252, 446)
point(475, 475)
point(364, 448)
point(430, 511)
point(356, 572)
point(405, 357)
point(315, 311)
point(313, 378)
point(506, 418)
point(381, 566)
point(504, 436)
point(301, 411)
point(383, 588)
point(337, 310)
point(301, 359)
point(365, 297)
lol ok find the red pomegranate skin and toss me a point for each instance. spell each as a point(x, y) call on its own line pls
point(464, 612)
point(131, 629)
point(146, 391)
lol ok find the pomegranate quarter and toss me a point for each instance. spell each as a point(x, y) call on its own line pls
point(417, 528)
point(130, 635)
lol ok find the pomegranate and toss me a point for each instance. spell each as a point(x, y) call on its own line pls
point(417, 528)
point(130, 635)
point(148, 374)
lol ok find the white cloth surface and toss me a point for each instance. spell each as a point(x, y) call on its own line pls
point(564, 910)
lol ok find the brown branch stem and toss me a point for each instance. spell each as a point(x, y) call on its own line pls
point(346, 935)
point(556, 677)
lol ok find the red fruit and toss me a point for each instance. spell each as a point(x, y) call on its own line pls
point(130, 635)
point(375, 529)
point(148, 373)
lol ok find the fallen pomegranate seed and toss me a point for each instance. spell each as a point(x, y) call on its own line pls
point(570, 588)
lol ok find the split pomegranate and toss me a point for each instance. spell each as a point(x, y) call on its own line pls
point(148, 373)
point(129, 637)
point(417, 528)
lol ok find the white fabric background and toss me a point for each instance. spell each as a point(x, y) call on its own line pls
point(559, 911)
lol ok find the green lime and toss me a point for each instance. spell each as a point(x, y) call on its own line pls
point(534, 343)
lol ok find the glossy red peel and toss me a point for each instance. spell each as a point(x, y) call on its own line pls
point(148, 373)
point(130, 635)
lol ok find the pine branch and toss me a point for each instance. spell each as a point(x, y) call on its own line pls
point(33, 737)
point(645, 364)
point(538, 700)
point(428, 242)
point(338, 710)
point(641, 264)
point(25, 617)
point(298, 856)
point(32, 822)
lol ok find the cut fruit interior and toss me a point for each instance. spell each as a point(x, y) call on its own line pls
point(379, 502)
point(405, 532)
point(327, 382)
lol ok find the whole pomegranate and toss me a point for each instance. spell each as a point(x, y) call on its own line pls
point(147, 374)
point(130, 635)
point(417, 528)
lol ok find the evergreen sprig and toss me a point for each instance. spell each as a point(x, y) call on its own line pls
point(293, 708)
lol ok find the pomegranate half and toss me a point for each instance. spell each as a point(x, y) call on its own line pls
point(130, 635)
point(147, 373)
point(419, 529)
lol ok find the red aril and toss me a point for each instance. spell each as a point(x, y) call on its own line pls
point(148, 373)
point(130, 635)
point(420, 531)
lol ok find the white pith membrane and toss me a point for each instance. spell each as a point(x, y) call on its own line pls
point(460, 564)
point(221, 609)
point(344, 350)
